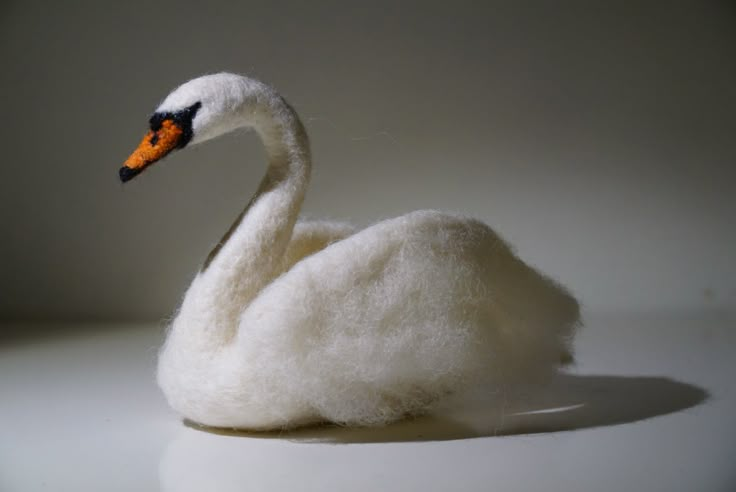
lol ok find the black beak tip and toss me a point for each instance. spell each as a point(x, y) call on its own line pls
point(128, 173)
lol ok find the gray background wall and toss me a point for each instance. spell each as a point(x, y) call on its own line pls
point(598, 137)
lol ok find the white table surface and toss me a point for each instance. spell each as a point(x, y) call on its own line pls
point(650, 406)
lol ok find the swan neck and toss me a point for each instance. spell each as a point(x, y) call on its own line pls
point(284, 139)
point(249, 256)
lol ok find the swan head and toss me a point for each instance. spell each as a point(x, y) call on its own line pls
point(198, 110)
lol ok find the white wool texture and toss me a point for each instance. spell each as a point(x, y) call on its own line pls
point(291, 323)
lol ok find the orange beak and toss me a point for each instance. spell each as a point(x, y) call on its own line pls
point(155, 145)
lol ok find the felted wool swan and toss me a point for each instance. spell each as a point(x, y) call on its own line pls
point(293, 322)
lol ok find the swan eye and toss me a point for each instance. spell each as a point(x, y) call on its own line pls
point(157, 120)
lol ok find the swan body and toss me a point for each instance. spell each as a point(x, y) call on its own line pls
point(291, 322)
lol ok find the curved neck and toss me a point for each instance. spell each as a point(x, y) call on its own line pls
point(248, 256)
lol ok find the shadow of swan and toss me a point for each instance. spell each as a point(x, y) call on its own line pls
point(196, 461)
point(568, 402)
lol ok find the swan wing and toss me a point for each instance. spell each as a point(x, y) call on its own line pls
point(385, 321)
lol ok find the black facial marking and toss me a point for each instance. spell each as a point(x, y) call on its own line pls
point(154, 139)
point(183, 120)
